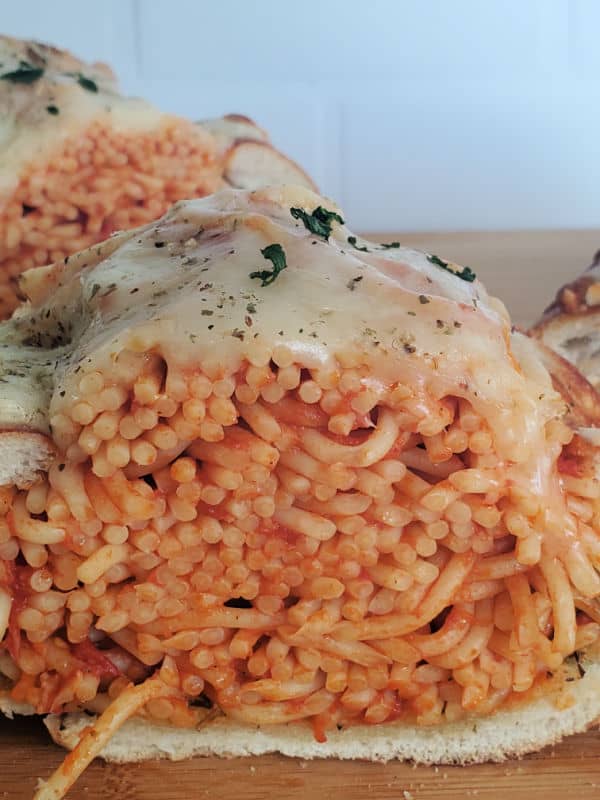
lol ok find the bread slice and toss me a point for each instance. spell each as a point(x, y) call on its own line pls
point(571, 324)
point(571, 704)
point(23, 455)
point(249, 159)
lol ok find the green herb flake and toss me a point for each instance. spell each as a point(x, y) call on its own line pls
point(87, 83)
point(390, 245)
point(276, 255)
point(251, 308)
point(352, 241)
point(319, 222)
point(26, 73)
point(95, 289)
point(423, 299)
point(465, 274)
point(54, 110)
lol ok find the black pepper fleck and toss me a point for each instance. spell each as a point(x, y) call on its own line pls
point(352, 283)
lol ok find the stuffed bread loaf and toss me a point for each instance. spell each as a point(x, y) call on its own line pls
point(270, 486)
point(79, 161)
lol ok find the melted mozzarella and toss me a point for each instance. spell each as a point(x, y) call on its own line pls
point(183, 286)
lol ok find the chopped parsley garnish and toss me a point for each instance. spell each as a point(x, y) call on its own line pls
point(95, 289)
point(423, 299)
point(352, 241)
point(319, 222)
point(466, 274)
point(391, 245)
point(26, 73)
point(54, 110)
point(276, 255)
point(87, 83)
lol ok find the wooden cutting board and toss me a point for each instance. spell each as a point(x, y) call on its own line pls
point(524, 268)
point(568, 771)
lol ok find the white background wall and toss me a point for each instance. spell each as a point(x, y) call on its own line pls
point(413, 114)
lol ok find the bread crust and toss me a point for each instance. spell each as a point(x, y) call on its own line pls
point(582, 398)
point(571, 323)
point(571, 704)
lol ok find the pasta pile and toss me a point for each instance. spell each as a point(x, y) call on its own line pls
point(302, 544)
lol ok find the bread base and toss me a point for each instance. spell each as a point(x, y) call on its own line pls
point(571, 706)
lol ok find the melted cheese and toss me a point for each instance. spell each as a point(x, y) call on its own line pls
point(182, 286)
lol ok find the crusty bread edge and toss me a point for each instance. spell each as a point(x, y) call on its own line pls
point(570, 707)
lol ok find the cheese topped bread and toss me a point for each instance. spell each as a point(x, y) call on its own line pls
point(78, 160)
point(292, 481)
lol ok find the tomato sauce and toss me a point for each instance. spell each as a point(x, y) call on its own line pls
point(571, 465)
point(17, 584)
point(94, 661)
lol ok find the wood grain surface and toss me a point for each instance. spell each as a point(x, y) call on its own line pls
point(525, 269)
point(569, 770)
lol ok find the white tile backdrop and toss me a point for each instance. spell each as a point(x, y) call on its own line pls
point(413, 114)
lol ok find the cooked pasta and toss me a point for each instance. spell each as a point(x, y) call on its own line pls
point(294, 527)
